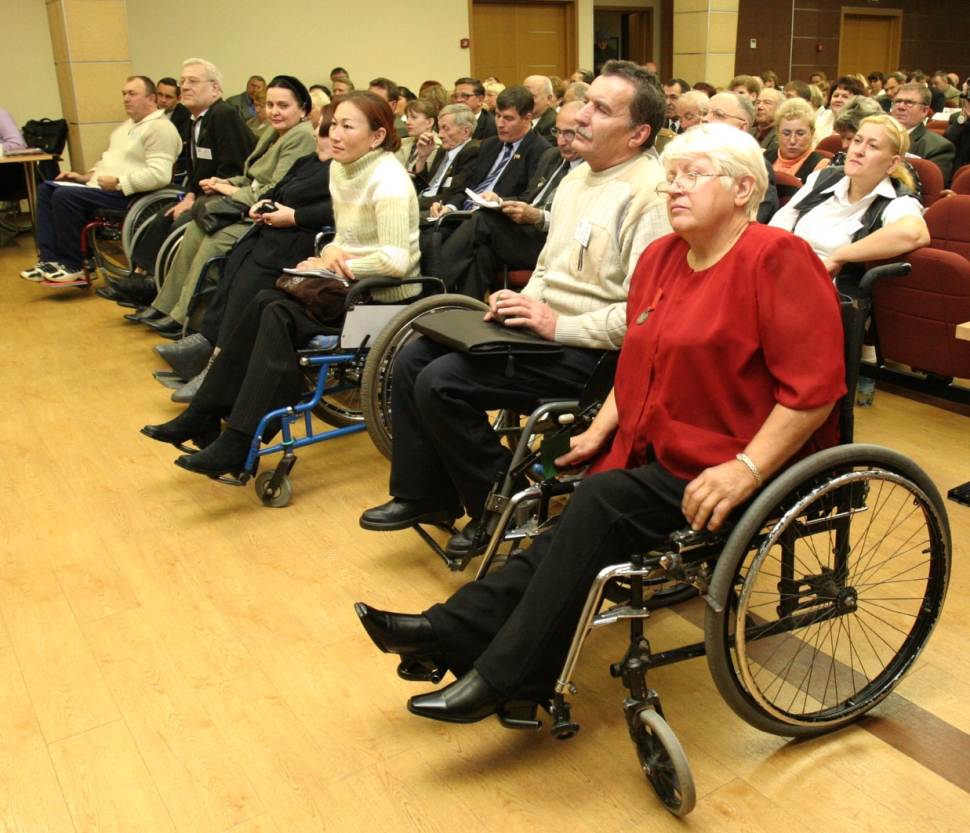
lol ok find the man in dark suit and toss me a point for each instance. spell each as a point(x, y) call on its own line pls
point(673, 90)
point(471, 93)
point(911, 105)
point(169, 98)
point(507, 161)
point(514, 237)
point(245, 102)
point(543, 109)
point(453, 166)
point(219, 144)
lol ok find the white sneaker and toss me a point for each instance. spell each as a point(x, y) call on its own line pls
point(36, 274)
point(63, 275)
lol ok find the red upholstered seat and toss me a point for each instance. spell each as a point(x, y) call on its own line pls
point(930, 177)
point(787, 186)
point(830, 144)
point(961, 180)
point(916, 316)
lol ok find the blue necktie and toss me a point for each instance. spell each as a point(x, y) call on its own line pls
point(495, 173)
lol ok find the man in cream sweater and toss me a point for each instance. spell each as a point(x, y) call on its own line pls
point(446, 455)
point(139, 158)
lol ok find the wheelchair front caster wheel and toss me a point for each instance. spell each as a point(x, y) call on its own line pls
point(564, 731)
point(271, 494)
point(663, 761)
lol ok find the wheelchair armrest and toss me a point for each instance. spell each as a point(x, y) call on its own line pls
point(432, 286)
point(886, 270)
point(322, 239)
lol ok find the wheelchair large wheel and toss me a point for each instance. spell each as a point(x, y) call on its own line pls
point(167, 254)
point(829, 588)
point(141, 212)
point(663, 762)
point(375, 390)
point(12, 220)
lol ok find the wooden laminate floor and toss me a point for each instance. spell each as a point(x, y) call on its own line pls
point(176, 657)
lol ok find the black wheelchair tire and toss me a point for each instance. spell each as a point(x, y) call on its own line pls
point(780, 638)
point(375, 389)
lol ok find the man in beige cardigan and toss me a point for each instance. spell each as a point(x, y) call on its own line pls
point(140, 157)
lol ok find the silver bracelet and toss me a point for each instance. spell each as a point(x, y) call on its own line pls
point(744, 458)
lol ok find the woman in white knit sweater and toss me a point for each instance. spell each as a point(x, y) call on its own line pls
point(376, 213)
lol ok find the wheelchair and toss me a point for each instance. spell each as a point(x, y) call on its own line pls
point(337, 364)
point(819, 595)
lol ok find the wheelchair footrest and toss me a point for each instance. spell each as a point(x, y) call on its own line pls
point(520, 715)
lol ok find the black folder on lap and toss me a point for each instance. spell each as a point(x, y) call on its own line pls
point(465, 331)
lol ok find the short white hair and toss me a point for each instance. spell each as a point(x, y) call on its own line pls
point(211, 70)
point(733, 152)
point(696, 97)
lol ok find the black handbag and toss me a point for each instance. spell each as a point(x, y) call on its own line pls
point(50, 135)
point(214, 212)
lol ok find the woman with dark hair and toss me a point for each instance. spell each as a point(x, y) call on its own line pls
point(291, 137)
point(376, 213)
point(281, 238)
point(842, 90)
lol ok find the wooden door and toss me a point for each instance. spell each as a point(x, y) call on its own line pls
point(640, 39)
point(870, 42)
point(513, 41)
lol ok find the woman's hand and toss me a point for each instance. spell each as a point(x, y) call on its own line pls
point(335, 259)
point(310, 263)
point(715, 492)
point(425, 144)
point(832, 266)
point(582, 447)
point(515, 310)
point(283, 217)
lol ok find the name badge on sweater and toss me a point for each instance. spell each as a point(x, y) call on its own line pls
point(203, 153)
point(350, 238)
point(583, 231)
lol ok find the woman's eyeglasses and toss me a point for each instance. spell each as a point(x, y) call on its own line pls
point(685, 182)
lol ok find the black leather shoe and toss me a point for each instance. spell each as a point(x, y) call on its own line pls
point(145, 314)
point(175, 334)
point(138, 288)
point(201, 428)
point(188, 356)
point(166, 322)
point(468, 700)
point(401, 514)
point(460, 545)
point(410, 636)
point(227, 455)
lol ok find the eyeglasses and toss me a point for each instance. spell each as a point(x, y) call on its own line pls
point(907, 103)
point(801, 134)
point(568, 135)
point(193, 82)
point(462, 96)
point(720, 115)
point(685, 182)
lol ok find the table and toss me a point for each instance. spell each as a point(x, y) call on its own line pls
point(29, 161)
point(963, 331)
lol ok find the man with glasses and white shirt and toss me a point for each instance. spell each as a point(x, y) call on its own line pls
point(911, 106)
point(471, 93)
point(738, 111)
point(219, 144)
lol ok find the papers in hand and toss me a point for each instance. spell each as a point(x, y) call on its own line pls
point(316, 273)
point(480, 202)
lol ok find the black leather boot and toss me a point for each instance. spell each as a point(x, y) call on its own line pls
point(411, 637)
point(227, 455)
point(197, 426)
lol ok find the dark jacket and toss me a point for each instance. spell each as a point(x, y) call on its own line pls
point(545, 125)
point(223, 135)
point(457, 178)
point(515, 178)
point(485, 128)
point(306, 188)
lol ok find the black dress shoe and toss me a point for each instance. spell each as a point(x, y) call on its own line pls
point(145, 314)
point(398, 513)
point(166, 322)
point(175, 334)
point(227, 455)
point(187, 357)
point(138, 288)
point(468, 700)
point(201, 428)
point(460, 545)
point(411, 637)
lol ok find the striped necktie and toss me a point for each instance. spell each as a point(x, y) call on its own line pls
point(493, 175)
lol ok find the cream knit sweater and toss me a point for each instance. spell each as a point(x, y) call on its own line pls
point(617, 213)
point(376, 213)
point(141, 155)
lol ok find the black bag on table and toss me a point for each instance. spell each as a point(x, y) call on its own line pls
point(50, 135)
